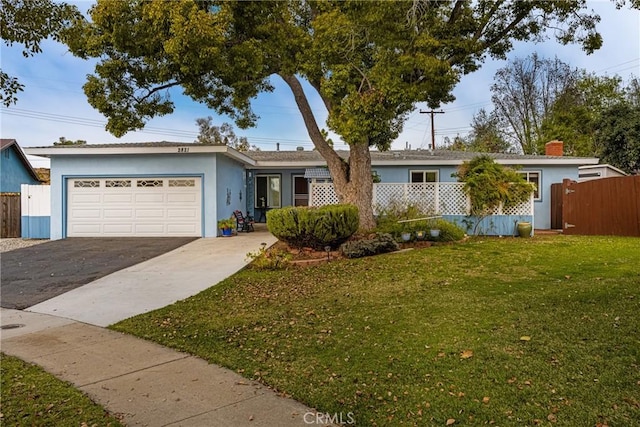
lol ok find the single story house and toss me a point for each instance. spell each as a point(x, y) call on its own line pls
point(15, 168)
point(15, 172)
point(182, 189)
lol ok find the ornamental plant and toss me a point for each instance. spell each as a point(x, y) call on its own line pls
point(491, 185)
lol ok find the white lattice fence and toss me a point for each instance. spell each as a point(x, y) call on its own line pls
point(442, 198)
point(323, 194)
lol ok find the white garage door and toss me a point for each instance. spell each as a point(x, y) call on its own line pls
point(134, 207)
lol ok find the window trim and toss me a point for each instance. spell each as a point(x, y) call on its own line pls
point(538, 186)
point(424, 172)
point(255, 190)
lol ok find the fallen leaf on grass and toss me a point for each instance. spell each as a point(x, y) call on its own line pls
point(451, 421)
point(486, 399)
point(525, 338)
point(466, 354)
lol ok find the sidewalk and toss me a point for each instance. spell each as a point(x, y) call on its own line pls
point(149, 385)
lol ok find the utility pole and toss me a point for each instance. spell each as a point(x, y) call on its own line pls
point(433, 129)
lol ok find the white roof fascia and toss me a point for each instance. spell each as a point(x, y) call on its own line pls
point(288, 165)
point(139, 150)
point(605, 166)
point(457, 162)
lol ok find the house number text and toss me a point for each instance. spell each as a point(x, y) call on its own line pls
point(183, 149)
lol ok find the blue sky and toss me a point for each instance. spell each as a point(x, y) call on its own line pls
point(54, 105)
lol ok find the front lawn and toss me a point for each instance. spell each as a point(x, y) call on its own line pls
point(508, 331)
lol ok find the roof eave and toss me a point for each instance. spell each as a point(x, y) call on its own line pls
point(23, 159)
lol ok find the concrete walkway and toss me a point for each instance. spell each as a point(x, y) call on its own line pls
point(145, 383)
point(157, 282)
point(148, 384)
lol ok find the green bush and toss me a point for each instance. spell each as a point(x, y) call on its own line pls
point(378, 244)
point(449, 232)
point(315, 228)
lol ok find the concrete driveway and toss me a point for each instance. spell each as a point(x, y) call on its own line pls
point(37, 273)
point(157, 282)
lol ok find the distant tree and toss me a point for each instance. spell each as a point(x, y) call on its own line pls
point(618, 137)
point(486, 135)
point(575, 112)
point(64, 141)
point(524, 93)
point(28, 22)
point(369, 62)
point(223, 134)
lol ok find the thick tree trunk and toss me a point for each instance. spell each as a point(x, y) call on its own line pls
point(358, 190)
point(352, 180)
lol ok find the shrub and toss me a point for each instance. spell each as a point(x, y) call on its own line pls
point(263, 259)
point(314, 228)
point(449, 232)
point(378, 244)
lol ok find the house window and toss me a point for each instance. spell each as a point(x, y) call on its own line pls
point(268, 191)
point(416, 177)
point(534, 178)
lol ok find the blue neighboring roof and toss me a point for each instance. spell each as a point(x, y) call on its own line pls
point(6, 144)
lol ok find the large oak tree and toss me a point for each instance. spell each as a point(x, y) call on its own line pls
point(370, 62)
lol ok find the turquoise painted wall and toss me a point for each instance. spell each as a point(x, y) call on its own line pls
point(35, 227)
point(13, 171)
point(201, 164)
point(231, 191)
point(542, 208)
point(286, 186)
point(495, 225)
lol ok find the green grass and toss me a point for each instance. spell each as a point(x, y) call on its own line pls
point(33, 397)
point(388, 338)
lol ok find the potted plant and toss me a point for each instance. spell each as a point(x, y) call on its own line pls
point(420, 235)
point(226, 226)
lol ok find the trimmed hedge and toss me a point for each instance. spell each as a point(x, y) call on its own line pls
point(315, 228)
point(380, 243)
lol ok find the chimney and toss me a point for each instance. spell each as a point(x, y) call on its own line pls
point(554, 148)
point(277, 146)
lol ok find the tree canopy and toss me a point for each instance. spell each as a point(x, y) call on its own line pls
point(370, 62)
point(28, 23)
point(223, 134)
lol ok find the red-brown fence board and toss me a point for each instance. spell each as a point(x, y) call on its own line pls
point(608, 206)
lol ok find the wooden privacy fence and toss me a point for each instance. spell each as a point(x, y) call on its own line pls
point(608, 206)
point(10, 226)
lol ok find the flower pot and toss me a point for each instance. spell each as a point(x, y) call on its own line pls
point(524, 229)
point(226, 232)
point(434, 232)
point(420, 235)
point(406, 237)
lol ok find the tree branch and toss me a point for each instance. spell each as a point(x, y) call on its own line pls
point(156, 89)
point(325, 150)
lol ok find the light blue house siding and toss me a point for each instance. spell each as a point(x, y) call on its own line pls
point(286, 186)
point(549, 174)
point(13, 171)
point(202, 165)
point(231, 192)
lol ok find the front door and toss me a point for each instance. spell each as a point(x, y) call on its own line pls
point(300, 190)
